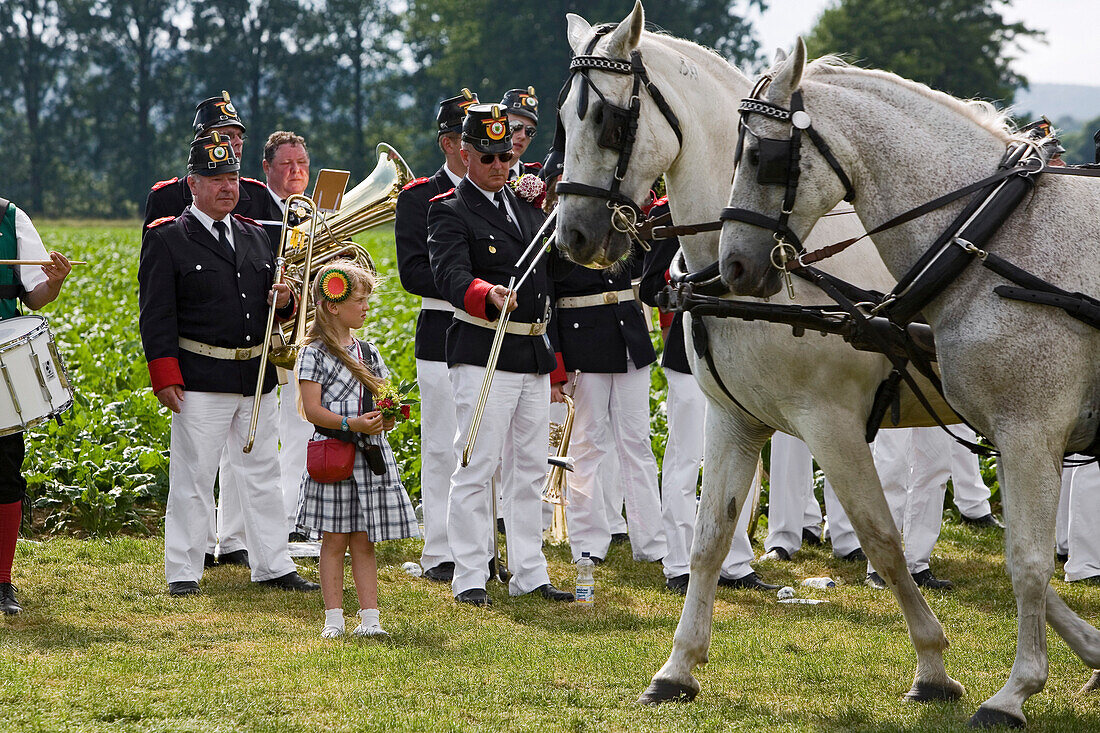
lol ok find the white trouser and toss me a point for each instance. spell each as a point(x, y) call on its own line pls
point(209, 425)
point(970, 492)
point(612, 425)
point(792, 506)
point(614, 499)
point(913, 465)
point(227, 523)
point(1079, 516)
point(294, 434)
point(686, 408)
point(438, 427)
point(517, 413)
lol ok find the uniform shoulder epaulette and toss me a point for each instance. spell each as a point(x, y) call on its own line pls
point(414, 183)
point(443, 195)
point(161, 184)
point(533, 166)
point(158, 222)
point(246, 179)
point(242, 217)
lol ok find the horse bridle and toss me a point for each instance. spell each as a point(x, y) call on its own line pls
point(779, 164)
point(619, 127)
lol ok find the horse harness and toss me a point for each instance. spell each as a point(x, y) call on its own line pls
point(886, 324)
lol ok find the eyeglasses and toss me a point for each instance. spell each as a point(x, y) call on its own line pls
point(517, 126)
point(505, 157)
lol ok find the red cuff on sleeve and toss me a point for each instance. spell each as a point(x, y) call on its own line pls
point(474, 300)
point(666, 319)
point(668, 276)
point(165, 372)
point(559, 375)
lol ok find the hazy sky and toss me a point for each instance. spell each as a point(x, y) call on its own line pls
point(1070, 55)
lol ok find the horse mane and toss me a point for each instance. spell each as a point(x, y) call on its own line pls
point(660, 36)
point(982, 113)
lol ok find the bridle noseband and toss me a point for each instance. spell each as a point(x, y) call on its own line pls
point(618, 131)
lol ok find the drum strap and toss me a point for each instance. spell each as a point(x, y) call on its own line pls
point(10, 287)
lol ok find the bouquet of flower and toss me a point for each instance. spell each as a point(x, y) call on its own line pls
point(530, 188)
point(394, 402)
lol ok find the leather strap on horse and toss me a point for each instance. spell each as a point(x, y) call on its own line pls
point(1036, 290)
point(700, 339)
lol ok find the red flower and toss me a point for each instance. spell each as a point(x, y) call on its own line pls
point(405, 411)
point(384, 403)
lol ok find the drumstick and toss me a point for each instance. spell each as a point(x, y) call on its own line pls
point(38, 262)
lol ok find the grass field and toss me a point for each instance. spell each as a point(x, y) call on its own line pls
point(101, 647)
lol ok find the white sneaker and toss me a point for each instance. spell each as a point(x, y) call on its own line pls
point(372, 630)
point(332, 632)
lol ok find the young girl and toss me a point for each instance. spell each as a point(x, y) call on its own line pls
point(338, 376)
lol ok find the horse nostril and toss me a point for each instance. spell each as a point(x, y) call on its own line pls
point(736, 270)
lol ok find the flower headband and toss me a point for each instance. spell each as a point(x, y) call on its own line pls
point(335, 287)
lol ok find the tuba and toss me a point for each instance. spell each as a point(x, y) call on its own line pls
point(372, 203)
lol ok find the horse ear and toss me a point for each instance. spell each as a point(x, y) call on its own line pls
point(780, 57)
point(788, 72)
point(628, 34)
point(577, 30)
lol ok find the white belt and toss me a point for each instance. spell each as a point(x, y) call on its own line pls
point(513, 327)
point(436, 304)
point(609, 298)
point(219, 352)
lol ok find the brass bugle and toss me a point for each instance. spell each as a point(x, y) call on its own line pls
point(294, 202)
point(535, 250)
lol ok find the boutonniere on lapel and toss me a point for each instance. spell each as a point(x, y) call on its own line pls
point(530, 188)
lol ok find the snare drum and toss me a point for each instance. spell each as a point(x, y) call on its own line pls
point(34, 386)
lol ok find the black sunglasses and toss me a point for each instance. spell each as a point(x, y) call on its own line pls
point(505, 157)
point(517, 126)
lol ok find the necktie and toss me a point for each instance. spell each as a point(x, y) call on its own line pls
point(499, 198)
point(223, 238)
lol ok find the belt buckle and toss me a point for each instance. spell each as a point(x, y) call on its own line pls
point(243, 354)
point(610, 298)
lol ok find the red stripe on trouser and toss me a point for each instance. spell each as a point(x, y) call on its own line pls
point(10, 516)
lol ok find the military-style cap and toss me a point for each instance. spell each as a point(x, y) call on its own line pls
point(553, 166)
point(1042, 129)
point(452, 111)
point(520, 102)
point(486, 128)
point(215, 112)
point(212, 154)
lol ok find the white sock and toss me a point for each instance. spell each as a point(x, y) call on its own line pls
point(334, 623)
point(369, 623)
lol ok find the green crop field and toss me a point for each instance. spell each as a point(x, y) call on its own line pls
point(101, 647)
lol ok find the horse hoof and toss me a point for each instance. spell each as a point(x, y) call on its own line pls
point(990, 718)
point(1093, 684)
point(930, 692)
point(660, 691)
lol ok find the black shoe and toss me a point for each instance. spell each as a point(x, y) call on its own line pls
point(297, 537)
point(1061, 558)
point(925, 579)
point(809, 538)
point(209, 560)
point(475, 597)
point(678, 584)
point(504, 575)
point(551, 593)
point(856, 555)
point(183, 588)
point(751, 581)
point(290, 581)
point(1091, 580)
point(874, 580)
point(596, 560)
point(984, 522)
point(777, 553)
point(9, 605)
point(444, 572)
point(620, 538)
point(237, 557)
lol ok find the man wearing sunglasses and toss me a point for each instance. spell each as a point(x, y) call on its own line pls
point(523, 119)
point(438, 423)
point(477, 233)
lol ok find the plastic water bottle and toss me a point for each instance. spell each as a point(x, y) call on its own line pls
point(819, 583)
point(586, 580)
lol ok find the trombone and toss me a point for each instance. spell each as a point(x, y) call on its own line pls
point(298, 203)
point(535, 251)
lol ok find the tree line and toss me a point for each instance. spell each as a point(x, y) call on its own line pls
point(101, 93)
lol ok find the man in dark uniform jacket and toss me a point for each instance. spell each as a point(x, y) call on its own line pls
point(476, 235)
point(686, 406)
point(523, 122)
point(170, 197)
point(205, 279)
point(438, 423)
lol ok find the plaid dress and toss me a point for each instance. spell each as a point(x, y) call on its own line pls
point(377, 505)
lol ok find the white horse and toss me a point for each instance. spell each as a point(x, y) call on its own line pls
point(1024, 375)
point(816, 388)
